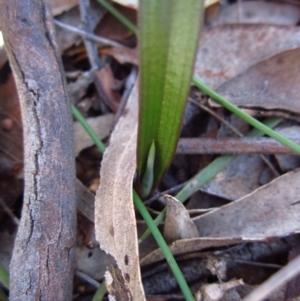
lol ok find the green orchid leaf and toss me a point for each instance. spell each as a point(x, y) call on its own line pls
point(168, 39)
point(147, 181)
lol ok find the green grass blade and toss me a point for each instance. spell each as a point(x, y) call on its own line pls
point(168, 38)
point(88, 129)
point(100, 292)
point(206, 174)
point(229, 106)
point(118, 16)
point(4, 277)
point(163, 246)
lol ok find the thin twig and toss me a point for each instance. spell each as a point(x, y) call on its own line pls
point(90, 36)
point(212, 113)
point(267, 162)
point(168, 191)
point(89, 24)
point(245, 145)
point(87, 279)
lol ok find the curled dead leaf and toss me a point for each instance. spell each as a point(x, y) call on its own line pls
point(115, 222)
point(178, 224)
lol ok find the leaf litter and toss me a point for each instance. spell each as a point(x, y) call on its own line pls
point(255, 66)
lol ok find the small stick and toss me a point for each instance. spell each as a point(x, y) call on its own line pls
point(267, 162)
point(195, 146)
point(88, 24)
point(90, 36)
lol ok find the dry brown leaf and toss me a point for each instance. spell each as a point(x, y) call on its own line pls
point(123, 55)
point(105, 81)
point(237, 179)
point(226, 51)
point(271, 84)
point(184, 246)
point(270, 211)
point(109, 28)
point(102, 126)
point(115, 222)
point(178, 224)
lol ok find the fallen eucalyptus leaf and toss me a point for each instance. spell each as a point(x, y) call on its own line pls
point(226, 51)
point(101, 125)
point(178, 224)
point(185, 246)
point(269, 211)
point(271, 84)
point(115, 222)
point(238, 179)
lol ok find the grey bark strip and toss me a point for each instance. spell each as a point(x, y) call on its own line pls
point(42, 263)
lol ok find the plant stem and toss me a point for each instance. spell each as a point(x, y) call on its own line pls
point(226, 104)
point(163, 246)
point(87, 127)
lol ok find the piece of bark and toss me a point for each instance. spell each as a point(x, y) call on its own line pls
point(44, 252)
